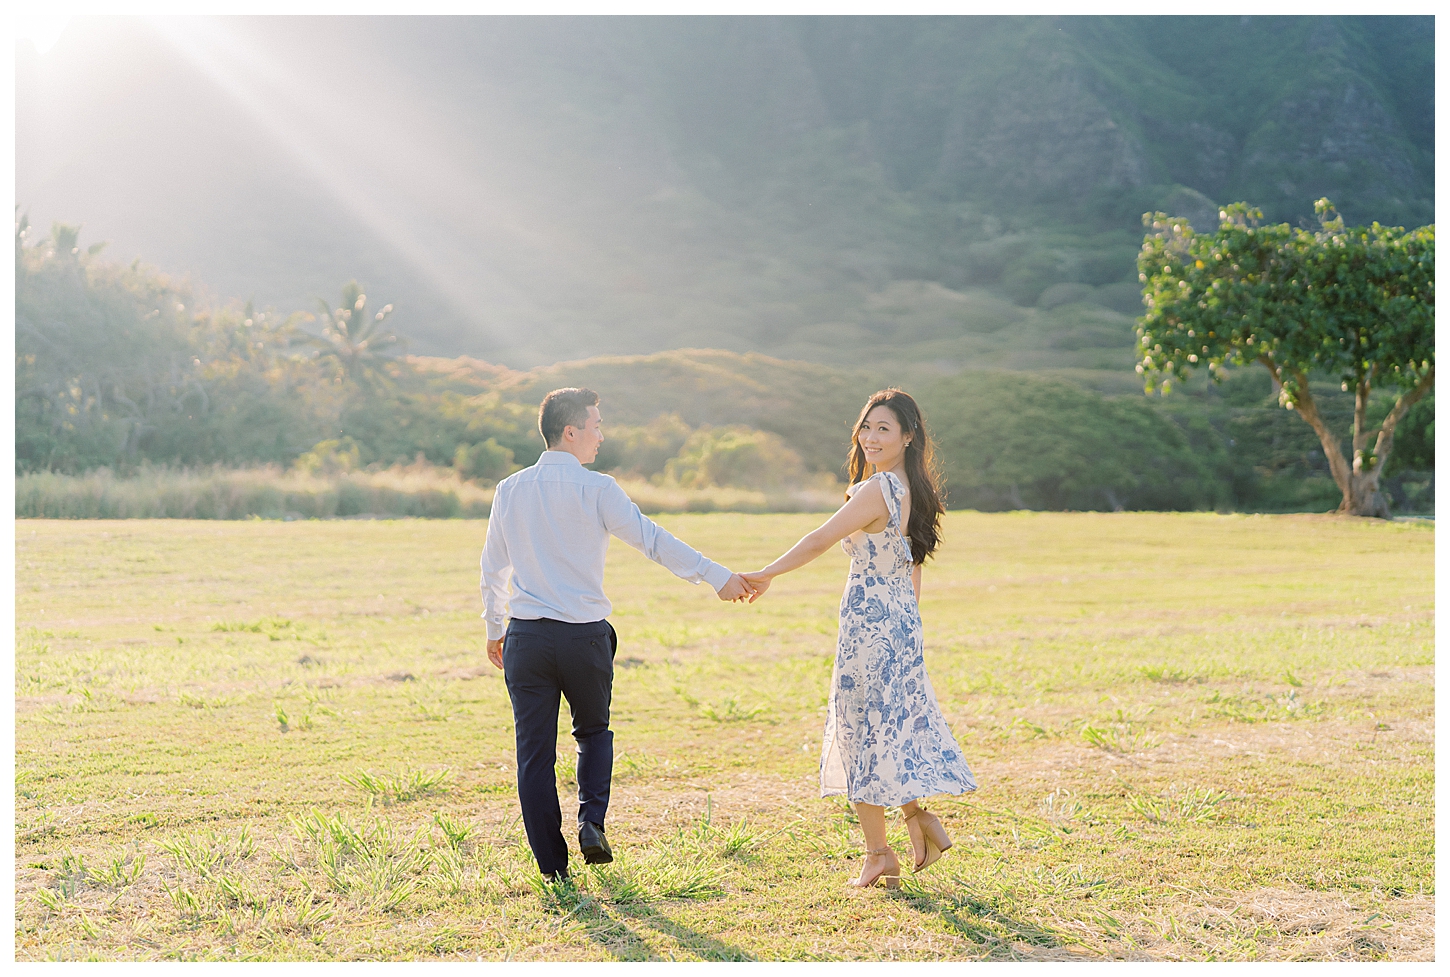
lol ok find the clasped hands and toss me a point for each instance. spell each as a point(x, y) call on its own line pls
point(748, 587)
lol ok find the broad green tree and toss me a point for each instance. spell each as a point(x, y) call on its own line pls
point(1354, 303)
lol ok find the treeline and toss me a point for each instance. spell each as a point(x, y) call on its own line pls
point(123, 369)
point(1013, 441)
point(118, 365)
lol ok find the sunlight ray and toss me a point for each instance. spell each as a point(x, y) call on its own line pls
point(382, 187)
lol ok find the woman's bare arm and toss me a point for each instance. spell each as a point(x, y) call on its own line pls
point(866, 507)
point(916, 580)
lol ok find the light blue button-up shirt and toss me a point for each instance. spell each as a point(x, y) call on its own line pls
point(550, 525)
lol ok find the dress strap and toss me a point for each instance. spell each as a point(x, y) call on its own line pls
point(892, 490)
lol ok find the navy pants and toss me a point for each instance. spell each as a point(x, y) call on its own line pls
point(542, 659)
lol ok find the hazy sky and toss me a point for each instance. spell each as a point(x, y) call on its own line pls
point(169, 137)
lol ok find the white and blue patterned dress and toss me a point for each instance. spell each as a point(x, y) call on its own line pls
point(886, 742)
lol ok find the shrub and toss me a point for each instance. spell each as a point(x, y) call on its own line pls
point(643, 450)
point(736, 456)
point(485, 461)
point(330, 457)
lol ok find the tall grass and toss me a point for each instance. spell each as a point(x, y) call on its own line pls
point(266, 492)
point(271, 493)
point(670, 498)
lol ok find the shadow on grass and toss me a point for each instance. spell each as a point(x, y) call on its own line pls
point(982, 920)
point(635, 947)
point(618, 929)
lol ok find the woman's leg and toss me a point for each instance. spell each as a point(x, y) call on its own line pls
point(873, 826)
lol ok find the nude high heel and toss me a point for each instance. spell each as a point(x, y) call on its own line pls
point(882, 877)
point(928, 838)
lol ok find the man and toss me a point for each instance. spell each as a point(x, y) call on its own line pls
point(550, 525)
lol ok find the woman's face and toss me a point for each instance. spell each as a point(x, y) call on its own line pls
point(882, 439)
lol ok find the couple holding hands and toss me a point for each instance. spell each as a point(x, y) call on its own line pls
point(886, 743)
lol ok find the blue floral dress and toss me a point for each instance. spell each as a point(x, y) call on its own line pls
point(886, 739)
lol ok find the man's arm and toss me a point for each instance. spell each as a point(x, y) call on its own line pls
point(494, 568)
point(623, 519)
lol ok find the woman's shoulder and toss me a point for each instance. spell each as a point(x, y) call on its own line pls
point(853, 489)
point(889, 483)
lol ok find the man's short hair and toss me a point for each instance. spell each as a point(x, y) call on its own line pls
point(565, 407)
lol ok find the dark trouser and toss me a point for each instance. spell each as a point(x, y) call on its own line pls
point(541, 659)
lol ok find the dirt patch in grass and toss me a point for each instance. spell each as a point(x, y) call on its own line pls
point(1301, 924)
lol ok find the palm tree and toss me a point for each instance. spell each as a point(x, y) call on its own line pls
point(352, 337)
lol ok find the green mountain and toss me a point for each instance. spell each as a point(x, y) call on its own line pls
point(960, 192)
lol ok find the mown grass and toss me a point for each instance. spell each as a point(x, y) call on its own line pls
point(1197, 737)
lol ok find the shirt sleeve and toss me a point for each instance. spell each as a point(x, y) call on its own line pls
point(495, 567)
point(623, 519)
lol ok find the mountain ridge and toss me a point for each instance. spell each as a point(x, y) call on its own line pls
point(535, 190)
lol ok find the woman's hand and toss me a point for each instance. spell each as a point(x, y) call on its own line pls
point(759, 582)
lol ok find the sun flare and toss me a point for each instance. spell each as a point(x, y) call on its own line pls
point(42, 31)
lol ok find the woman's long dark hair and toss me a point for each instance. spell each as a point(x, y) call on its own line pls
point(923, 528)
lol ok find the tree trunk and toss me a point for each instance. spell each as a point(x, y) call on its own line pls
point(1364, 498)
point(1359, 483)
point(1307, 409)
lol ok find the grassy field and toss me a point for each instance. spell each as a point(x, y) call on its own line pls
point(1197, 737)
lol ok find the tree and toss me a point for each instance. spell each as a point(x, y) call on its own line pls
point(105, 355)
point(118, 365)
point(353, 338)
point(1356, 303)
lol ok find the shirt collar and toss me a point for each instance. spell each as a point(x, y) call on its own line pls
point(550, 457)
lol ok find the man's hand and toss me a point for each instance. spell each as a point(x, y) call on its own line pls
point(735, 588)
point(495, 652)
point(758, 583)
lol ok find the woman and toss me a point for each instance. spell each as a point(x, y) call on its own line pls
point(886, 741)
